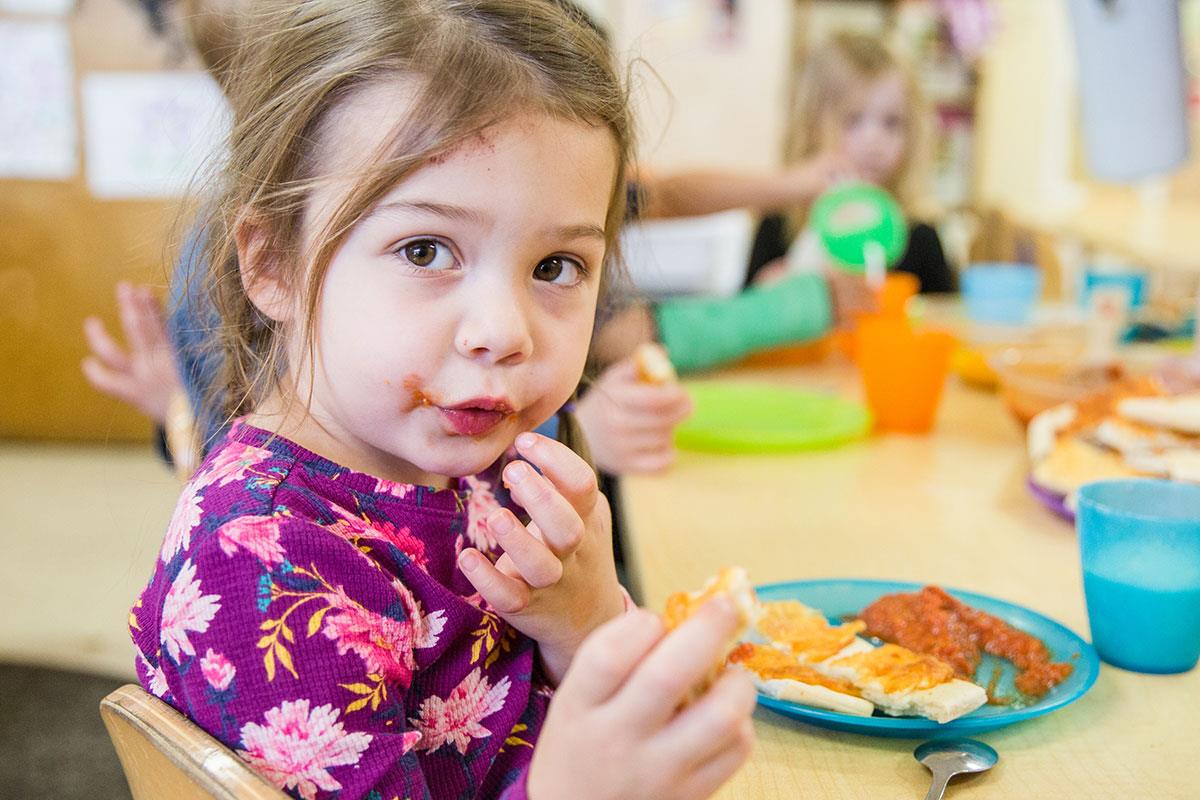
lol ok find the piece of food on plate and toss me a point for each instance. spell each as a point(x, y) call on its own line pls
point(1073, 462)
point(779, 675)
point(730, 583)
point(903, 683)
point(1135, 429)
point(653, 365)
point(1179, 413)
point(898, 681)
point(806, 633)
point(937, 624)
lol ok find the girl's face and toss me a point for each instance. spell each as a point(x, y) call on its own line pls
point(874, 128)
point(458, 312)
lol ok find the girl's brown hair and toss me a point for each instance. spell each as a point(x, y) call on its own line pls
point(472, 64)
point(830, 76)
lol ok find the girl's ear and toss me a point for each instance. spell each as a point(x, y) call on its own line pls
point(260, 269)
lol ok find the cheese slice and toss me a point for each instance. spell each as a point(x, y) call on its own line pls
point(781, 676)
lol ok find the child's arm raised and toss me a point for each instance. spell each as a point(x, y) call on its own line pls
point(556, 581)
point(615, 727)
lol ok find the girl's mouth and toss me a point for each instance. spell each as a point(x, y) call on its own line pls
point(477, 416)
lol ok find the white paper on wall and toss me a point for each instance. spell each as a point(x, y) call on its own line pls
point(37, 102)
point(55, 7)
point(150, 134)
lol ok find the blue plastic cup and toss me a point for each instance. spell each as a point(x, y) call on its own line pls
point(1132, 282)
point(1003, 294)
point(1140, 546)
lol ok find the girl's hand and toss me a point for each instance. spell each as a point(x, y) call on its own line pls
point(630, 424)
point(556, 581)
point(849, 297)
point(823, 171)
point(615, 729)
point(145, 375)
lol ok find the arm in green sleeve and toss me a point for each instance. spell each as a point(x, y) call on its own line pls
point(701, 332)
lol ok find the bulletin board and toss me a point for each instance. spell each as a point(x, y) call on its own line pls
point(63, 249)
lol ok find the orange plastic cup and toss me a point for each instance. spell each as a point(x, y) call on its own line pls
point(898, 288)
point(903, 372)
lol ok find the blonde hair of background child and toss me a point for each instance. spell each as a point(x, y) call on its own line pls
point(844, 64)
point(474, 63)
point(214, 28)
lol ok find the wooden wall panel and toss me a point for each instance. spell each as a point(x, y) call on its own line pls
point(62, 252)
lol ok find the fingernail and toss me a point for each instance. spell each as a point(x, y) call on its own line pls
point(518, 472)
point(526, 440)
point(468, 561)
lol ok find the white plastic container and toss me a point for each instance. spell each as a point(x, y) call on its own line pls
point(1132, 86)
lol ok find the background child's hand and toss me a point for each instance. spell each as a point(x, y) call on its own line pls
point(849, 296)
point(630, 424)
point(556, 581)
point(615, 729)
point(145, 375)
point(821, 172)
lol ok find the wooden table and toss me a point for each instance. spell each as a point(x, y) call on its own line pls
point(949, 508)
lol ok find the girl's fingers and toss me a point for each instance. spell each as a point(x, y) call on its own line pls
point(103, 346)
point(531, 558)
point(558, 520)
point(712, 723)
point(112, 383)
point(608, 656)
point(679, 662)
point(569, 473)
point(505, 593)
point(152, 325)
point(710, 774)
point(129, 305)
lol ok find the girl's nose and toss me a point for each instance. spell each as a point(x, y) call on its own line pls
point(495, 325)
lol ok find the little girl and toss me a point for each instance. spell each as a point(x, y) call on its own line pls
point(856, 106)
point(373, 584)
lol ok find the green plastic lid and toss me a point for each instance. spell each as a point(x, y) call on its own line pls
point(849, 217)
point(759, 418)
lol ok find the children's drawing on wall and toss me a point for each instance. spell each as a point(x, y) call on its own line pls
point(37, 108)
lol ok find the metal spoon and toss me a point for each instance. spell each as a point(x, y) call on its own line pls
point(949, 757)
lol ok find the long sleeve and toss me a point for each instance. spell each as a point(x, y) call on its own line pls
point(313, 620)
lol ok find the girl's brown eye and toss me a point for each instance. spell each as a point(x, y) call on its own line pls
point(560, 270)
point(421, 253)
point(427, 254)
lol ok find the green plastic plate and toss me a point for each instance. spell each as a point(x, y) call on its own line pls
point(756, 418)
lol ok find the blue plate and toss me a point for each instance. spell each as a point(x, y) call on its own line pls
point(839, 598)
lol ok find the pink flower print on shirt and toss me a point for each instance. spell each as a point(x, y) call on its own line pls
point(296, 748)
point(186, 610)
point(231, 463)
point(351, 528)
point(258, 536)
point(384, 644)
point(217, 670)
point(426, 628)
point(396, 490)
point(480, 504)
point(183, 522)
point(156, 679)
point(455, 720)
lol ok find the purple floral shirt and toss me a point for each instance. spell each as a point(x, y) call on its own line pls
point(314, 620)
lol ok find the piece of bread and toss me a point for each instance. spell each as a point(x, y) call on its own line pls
point(1073, 462)
point(730, 583)
point(779, 675)
point(806, 633)
point(653, 365)
point(1180, 413)
point(897, 680)
point(903, 683)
